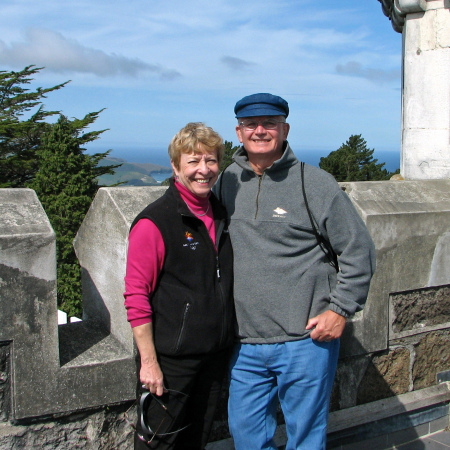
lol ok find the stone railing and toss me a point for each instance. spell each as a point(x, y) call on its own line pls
point(397, 345)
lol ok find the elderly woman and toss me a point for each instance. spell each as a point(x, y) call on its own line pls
point(179, 297)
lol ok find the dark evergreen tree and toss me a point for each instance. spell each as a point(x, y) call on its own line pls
point(228, 154)
point(353, 161)
point(66, 183)
point(19, 136)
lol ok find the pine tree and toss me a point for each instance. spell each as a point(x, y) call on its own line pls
point(353, 161)
point(228, 154)
point(19, 137)
point(66, 183)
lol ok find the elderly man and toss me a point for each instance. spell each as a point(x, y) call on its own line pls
point(303, 260)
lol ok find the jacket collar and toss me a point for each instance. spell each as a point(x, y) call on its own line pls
point(219, 211)
point(288, 159)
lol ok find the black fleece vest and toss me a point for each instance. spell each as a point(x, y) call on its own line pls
point(193, 311)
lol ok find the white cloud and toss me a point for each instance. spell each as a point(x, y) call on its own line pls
point(56, 53)
point(356, 69)
point(118, 54)
point(237, 64)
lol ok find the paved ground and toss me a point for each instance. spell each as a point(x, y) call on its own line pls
point(436, 441)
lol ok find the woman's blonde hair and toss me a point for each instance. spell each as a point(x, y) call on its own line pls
point(195, 137)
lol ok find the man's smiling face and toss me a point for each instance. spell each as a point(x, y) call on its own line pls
point(263, 141)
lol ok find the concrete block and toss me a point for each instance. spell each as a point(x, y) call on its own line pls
point(45, 377)
point(32, 250)
point(101, 246)
point(28, 294)
point(409, 222)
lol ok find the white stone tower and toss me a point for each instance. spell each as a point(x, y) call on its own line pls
point(425, 26)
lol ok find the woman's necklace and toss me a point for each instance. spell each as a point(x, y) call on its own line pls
point(199, 215)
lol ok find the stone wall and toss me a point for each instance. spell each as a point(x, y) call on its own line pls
point(71, 385)
point(5, 376)
point(418, 350)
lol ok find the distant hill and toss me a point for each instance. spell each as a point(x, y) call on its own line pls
point(133, 174)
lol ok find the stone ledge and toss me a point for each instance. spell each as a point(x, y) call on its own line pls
point(86, 343)
point(368, 413)
point(388, 407)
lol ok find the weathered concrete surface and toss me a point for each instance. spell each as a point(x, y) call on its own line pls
point(39, 383)
point(407, 220)
point(5, 370)
point(402, 217)
point(28, 294)
point(101, 247)
point(33, 249)
point(426, 94)
point(425, 25)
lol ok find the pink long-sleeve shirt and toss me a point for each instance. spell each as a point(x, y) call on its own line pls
point(146, 252)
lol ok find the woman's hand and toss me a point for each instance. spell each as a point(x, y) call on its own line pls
point(151, 377)
point(150, 374)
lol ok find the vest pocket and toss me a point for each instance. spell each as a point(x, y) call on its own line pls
point(182, 329)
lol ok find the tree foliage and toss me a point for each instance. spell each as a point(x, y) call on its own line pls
point(19, 136)
point(49, 158)
point(66, 184)
point(353, 161)
point(228, 154)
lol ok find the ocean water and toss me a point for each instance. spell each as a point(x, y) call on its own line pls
point(160, 157)
point(161, 176)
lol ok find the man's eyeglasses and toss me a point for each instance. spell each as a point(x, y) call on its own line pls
point(149, 429)
point(268, 124)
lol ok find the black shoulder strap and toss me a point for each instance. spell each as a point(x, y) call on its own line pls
point(323, 243)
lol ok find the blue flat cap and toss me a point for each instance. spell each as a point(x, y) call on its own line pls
point(261, 105)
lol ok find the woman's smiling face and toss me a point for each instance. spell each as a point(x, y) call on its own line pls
point(198, 171)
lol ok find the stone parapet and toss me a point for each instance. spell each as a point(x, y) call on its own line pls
point(52, 370)
point(409, 223)
point(101, 247)
point(393, 347)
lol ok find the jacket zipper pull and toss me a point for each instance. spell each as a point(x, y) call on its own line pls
point(217, 267)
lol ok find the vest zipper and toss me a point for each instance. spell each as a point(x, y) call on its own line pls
point(219, 232)
point(217, 267)
point(183, 325)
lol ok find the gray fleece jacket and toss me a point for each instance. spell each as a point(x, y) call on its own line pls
point(282, 276)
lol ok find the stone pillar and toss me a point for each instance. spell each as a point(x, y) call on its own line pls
point(425, 25)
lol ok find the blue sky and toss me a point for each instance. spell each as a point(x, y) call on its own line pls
point(157, 65)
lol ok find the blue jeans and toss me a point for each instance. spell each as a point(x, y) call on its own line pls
point(299, 374)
